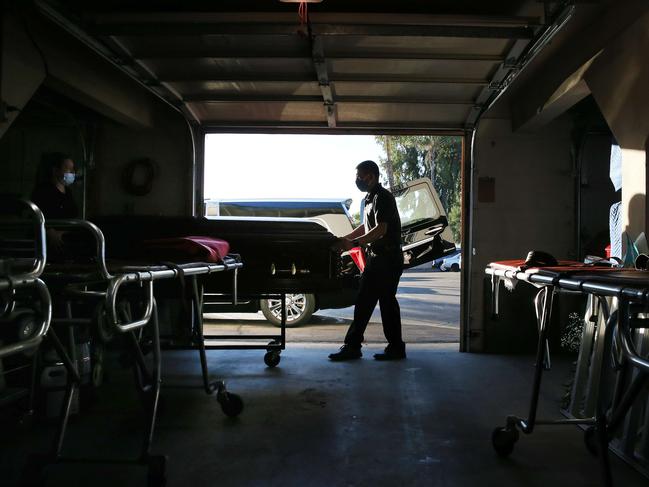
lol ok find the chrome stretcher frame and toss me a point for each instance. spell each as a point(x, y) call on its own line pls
point(273, 348)
point(598, 284)
point(84, 285)
point(28, 279)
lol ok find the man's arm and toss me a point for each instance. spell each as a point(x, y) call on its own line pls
point(359, 231)
point(373, 235)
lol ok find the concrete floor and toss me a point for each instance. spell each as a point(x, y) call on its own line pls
point(424, 421)
point(430, 313)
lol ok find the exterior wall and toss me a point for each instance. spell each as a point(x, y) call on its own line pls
point(533, 207)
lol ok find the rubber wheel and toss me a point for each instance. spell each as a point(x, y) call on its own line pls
point(272, 359)
point(294, 321)
point(103, 329)
point(503, 440)
point(231, 404)
point(157, 474)
point(591, 440)
point(33, 474)
point(97, 372)
point(25, 328)
point(455, 268)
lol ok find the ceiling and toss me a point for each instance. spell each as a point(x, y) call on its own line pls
point(356, 65)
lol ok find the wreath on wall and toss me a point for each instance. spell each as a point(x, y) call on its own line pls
point(138, 176)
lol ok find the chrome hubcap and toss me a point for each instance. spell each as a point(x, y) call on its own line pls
point(295, 306)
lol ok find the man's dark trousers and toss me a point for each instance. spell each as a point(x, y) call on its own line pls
point(379, 282)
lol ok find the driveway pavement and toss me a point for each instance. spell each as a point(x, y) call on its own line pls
point(430, 312)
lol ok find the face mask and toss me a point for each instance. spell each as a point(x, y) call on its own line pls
point(68, 178)
point(362, 185)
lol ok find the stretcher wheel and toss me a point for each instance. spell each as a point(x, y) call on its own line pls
point(591, 440)
point(26, 326)
point(272, 358)
point(157, 474)
point(503, 440)
point(103, 329)
point(231, 404)
point(34, 472)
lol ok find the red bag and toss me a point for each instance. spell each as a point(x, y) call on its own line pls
point(358, 257)
point(204, 249)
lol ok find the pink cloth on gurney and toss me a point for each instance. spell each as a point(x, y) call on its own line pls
point(205, 249)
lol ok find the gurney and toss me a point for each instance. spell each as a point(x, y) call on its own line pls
point(281, 257)
point(115, 289)
point(628, 291)
point(25, 304)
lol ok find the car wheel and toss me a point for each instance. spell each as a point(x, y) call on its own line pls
point(455, 268)
point(299, 308)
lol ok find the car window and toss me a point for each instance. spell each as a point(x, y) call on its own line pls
point(290, 209)
point(416, 204)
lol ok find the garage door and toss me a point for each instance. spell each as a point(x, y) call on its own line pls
point(341, 65)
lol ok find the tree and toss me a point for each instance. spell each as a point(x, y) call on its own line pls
point(437, 157)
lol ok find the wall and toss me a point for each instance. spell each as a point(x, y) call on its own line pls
point(129, 121)
point(533, 206)
point(168, 145)
point(618, 79)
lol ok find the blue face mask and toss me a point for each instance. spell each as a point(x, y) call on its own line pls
point(362, 185)
point(68, 178)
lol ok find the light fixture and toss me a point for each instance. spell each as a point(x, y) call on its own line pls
point(301, 1)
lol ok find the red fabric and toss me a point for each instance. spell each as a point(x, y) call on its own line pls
point(205, 249)
point(358, 257)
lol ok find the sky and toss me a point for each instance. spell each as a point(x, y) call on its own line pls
point(286, 165)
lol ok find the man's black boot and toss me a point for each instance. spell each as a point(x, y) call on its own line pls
point(346, 353)
point(392, 353)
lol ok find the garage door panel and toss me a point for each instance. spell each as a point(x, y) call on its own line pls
point(442, 69)
point(249, 88)
point(438, 91)
point(422, 46)
point(219, 68)
point(174, 46)
point(453, 115)
point(259, 112)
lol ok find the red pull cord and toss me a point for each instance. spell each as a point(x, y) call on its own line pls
point(303, 13)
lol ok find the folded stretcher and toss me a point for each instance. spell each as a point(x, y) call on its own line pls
point(25, 303)
point(629, 290)
point(116, 289)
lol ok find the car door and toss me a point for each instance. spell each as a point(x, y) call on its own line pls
point(425, 235)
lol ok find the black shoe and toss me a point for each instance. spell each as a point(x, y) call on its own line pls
point(391, 353)
point(346, 353)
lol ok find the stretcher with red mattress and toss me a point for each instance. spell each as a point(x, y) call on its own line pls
point(629, 290)
point(114, 289)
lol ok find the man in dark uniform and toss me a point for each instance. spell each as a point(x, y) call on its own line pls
point(380, 235)
point(52, 195)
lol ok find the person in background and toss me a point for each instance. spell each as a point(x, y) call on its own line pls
point(380, 235)
point(52, 193)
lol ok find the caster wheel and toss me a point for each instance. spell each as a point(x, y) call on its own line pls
point(33, 474)
point(591, 441)
point(104, 331)
point(157, 475)
point(231, 404)
point(503, 440)
point(26, 421)
point(272, 359)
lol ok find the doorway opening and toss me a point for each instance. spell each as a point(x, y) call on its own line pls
point(313, 177)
